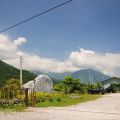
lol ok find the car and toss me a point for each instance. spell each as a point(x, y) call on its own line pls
point(97, 91)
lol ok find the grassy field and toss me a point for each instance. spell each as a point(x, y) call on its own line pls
point(13, 108)
point(68, 100)
point(55, 100)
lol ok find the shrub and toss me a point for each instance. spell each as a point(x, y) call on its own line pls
point(42, 97)
point(6, 102)
point(59, 99)
point(50, 99)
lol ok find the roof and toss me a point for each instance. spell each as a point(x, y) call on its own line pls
point(111, 80)
point(29, 85)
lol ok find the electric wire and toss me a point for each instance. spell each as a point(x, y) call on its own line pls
point(37, 15)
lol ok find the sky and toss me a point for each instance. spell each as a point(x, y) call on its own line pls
point(81, 34)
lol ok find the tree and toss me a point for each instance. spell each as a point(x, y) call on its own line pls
point(72, 85)
point(114, 87)
point(99, 85)
point(58, 87)
point(11, 88)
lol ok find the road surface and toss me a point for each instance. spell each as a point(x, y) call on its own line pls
point(105, 108)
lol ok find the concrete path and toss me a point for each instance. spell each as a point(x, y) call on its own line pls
point(105, 108)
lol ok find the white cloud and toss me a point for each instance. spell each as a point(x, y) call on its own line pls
point(35, 62)
point(19, 41)
point(108, 63)
point(9, 48)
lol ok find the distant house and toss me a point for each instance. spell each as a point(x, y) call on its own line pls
point(107, 82)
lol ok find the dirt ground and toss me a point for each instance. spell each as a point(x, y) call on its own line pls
point(105, 108)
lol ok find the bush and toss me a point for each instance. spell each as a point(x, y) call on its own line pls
point(6, 102)
point(59, 99)
point(42, 97)
point(58, 87)
point(50, 99)
point(114, 87)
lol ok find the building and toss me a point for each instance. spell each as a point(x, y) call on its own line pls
point(42, 83)
point(107, 82)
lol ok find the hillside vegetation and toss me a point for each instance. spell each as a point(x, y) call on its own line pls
point(86, 75)
point(89, 74)
point(7, 72)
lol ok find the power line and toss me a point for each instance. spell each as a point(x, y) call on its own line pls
point(39, 14)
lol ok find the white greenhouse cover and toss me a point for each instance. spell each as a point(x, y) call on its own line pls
point(42, 83)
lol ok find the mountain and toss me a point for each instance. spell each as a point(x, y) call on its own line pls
point(87, 75)
point(111, 80)
point(7, 72)
point(58, 76)
point(37, 72)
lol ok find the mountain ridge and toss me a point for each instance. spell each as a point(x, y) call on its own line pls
point(8, 72)
point(83, 74)
point(90, 75)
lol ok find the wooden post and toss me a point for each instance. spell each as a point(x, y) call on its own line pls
point(21, 61)
point(33, 98)
point(0, 94)
point(26, 97)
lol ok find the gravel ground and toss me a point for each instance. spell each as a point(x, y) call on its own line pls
point(105, 108)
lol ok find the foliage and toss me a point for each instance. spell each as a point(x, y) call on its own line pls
point(58, 87)
point(67, 100)
point(99, 85)
point(114, 87)
point(71, 85)
point(11, 89)
point(10, 102)
point(42, 97)
point(12, 108)
point(86, 73)
point(8, 72)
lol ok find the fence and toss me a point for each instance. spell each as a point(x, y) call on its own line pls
point(8, 95)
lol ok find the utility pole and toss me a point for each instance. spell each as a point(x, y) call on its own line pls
point(21, 61)
point(90, 78)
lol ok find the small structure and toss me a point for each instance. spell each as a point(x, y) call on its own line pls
point(43, 84)
point(30, 85)
point(107, 82)
point(29, 89)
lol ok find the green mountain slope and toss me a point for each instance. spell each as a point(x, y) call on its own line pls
point(7, 71)
point(53, 76)
point(111, 80)
point(87, 75)
point(58, 76)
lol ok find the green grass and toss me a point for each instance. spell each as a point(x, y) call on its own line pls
point(68, 100)
point(13, 108)
point(65, 100)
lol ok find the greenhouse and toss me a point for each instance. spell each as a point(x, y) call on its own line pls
point(42, 83)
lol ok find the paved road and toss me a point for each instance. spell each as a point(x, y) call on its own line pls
point(106, 108)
